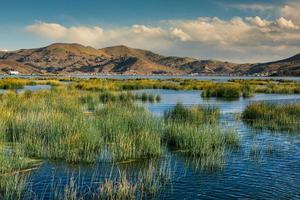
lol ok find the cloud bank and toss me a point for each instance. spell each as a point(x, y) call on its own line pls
point(238, 39)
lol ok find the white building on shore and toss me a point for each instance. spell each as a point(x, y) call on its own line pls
point(13, 73)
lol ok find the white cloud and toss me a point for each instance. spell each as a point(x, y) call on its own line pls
point(291, 10)
point(284, 23)
point(55, 31)
point(5, 50)
point(142, 29)
point(257, 21)
point(238, 39)
point(179, 33)
point(49, 30)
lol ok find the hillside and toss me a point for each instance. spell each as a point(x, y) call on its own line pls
point(63, 58)
point(285, 67)
point(6, 66)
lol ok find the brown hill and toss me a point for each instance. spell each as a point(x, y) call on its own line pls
point(285, 67)
point(135, 61)
point(7, 66)
point(75, 58)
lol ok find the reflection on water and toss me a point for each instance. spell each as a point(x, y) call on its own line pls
point(267, 166)
point(29, 88)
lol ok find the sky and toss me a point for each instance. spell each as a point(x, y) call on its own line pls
point(230, 30)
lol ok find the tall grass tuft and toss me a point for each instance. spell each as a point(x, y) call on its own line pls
point(193, 115)
point(273, 116)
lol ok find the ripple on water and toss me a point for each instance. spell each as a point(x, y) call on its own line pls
point(273, 174)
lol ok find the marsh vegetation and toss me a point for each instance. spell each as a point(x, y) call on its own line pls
point(273, 116)
point(98, 121)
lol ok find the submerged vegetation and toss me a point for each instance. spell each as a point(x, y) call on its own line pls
point(273, 116)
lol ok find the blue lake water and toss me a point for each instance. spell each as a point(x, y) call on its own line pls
point(274, 175)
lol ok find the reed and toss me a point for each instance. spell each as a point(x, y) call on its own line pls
point(228, 91)
point(15, 83)
point(193, 115)
point(144, 184)
point(200, 141)
point(273, 116)
point(56, 126)
point(13, 187)
point(130, 131)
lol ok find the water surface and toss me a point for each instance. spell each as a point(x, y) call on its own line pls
point(274, 173)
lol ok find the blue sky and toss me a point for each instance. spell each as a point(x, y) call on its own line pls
point(234, 30)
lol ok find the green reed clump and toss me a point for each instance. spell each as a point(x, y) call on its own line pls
point(53, 127)
point(224, 91)
point(123, 97)
point(273, 116)
point(57, 126)
point(193, 115)
point(271, 86)
point(200, 141)
point(12, 183)
point(13, 163)
point(15, 83)
point(143, 184)
point(130, 131)
point(145, 97)
point(195, 132)
point(12, 187)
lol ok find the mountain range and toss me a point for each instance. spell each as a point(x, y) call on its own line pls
point(61, 58)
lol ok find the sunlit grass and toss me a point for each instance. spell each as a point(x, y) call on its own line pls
point(273, 116)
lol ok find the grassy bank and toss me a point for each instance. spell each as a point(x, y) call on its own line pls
point(273, 116)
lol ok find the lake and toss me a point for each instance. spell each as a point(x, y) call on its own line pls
point(266, 175)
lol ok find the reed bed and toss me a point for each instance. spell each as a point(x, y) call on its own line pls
point(12, 183)
point(57, 126)
point(13, 187)
point(15, 83)
point(233, 89)
point(79, 126)
point(130, 131)
point(193, 115)
point(271, 86)
point(228, 90)
point(196, 133)
point(273, 116)
point(106, 97)
point(19, 83)
point(141, 184)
